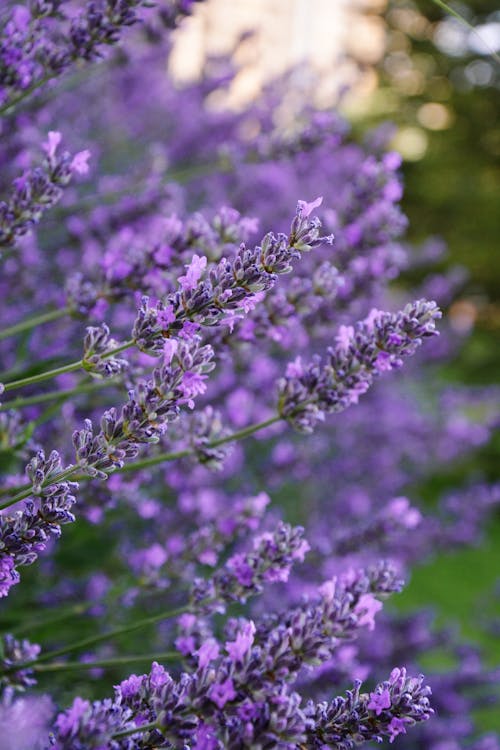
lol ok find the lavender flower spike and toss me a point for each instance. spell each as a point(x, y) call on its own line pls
point(388, 711)
point(25, 533)
point(34, 51)
point(38, 189)
point(376, 345)
point(97, 347)
point(151, 405)
point(245, 575)
point(230, 287)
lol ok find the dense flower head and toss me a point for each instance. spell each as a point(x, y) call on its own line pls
point(38, 189)
point(40, 43)
point(394, 706)
point(14, 654)
point(245, 574)
point(376, 345)
point(166, 322)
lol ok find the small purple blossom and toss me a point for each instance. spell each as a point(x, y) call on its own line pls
point(221, 693)
point(305, 209)
point(79, 163)
point(396, 727)
point(243, 642)
point(208, 651)
point(194, 272)
point(379, 701)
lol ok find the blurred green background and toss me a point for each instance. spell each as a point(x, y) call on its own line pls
point(441, 87)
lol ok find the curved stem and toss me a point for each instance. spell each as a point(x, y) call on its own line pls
point(30, 323)
point(28, 489)
point(32, 379)
point(17, 99)
point(71, 367)
point(233, 437)
point(137, 730)
point(17, 371)
point(102, 637)
point(452, 12)
point(73, 611)
point(116, 661)
point(42, 398)
point(25, 490)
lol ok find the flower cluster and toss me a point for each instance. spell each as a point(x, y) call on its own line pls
point(38, 189)
point(375, 345)
point(388, 711)
point(40, 43)
point(150, 406)
point(171, 347)
point(231, 286)
point(25, 532)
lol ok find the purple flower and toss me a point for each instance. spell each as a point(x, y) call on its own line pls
point(37, 190)
point(194, 272)
point(243, 642)
point(221, 693)
point(53, 140)
point(79, 162)
point(366, 609)
point(25, 722)
point(206, 738)
point(131, 686)
point(208, 651)
point(396, 726)
point(305, 209)
point(351, 367)
point(379, 701)
point(239, 565)
point(8, 574)
point(66, 723)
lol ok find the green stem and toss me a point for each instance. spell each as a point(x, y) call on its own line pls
point(116, 661)
point(181, 175)
point(95, 639)
point(20, 371)
point(42, 398)
point(32, 379)
point(17, 99)
point(73, 611)
point(37, 320)
point(72, 367)
point(163, 457)
point(28, 490)
point(452, 12)
point(144, 463)
point(137, 730)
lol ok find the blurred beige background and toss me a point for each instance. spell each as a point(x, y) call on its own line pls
point(287, 32)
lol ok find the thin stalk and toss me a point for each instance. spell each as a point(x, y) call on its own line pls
point(28, 490)
point(17, 99)
point(47, 375)
point(163, 457)
point(116, 661)
point(71, 367)
point(102, 637)
point(137, 730)
point(144, 463)
point(20, 371)
point(30, 323)
point(73, 611)
point(452, 12)
point(42, 398)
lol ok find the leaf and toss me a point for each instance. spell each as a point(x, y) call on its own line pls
point(452, 12)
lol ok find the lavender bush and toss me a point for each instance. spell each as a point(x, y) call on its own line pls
point(172, 287)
